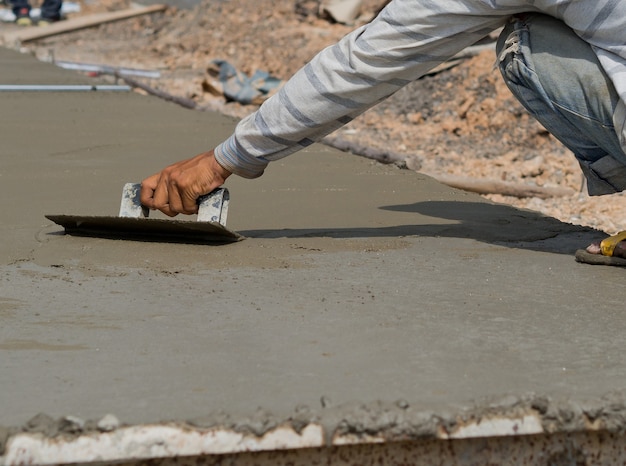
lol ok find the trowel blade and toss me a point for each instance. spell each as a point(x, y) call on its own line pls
point(146, 229)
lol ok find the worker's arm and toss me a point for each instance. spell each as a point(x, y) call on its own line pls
point(175, 189)
point(403, 43)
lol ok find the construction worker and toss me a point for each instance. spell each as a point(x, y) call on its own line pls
point(565, 60)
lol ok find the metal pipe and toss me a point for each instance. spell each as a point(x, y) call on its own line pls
point(62, 87)
point(106, 69)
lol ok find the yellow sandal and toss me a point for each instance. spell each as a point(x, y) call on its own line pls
point(607, 246)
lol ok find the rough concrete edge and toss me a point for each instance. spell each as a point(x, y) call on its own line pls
point(44, 440)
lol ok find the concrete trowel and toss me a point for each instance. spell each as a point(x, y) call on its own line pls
point(133, 222)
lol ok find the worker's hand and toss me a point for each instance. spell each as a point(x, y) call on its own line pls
point(176, 188)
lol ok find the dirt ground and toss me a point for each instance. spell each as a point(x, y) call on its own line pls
point(462, 121)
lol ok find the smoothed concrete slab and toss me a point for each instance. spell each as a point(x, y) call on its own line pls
point(23, 69)
point(367, 303)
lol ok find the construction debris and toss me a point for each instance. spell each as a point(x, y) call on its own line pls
point(342, 11)
point(224, 79)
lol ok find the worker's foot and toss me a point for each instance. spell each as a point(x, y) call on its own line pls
point(613, 246)
point(43, 22)
point(609, 251)
point(22, 18)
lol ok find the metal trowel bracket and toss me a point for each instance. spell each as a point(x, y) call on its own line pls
point(131, 202)
point(212, 207)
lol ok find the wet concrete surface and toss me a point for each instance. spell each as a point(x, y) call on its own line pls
point(358, 284)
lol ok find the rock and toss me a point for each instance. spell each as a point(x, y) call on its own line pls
point(108, 423)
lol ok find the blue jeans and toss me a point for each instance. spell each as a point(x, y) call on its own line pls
point(558, 79)
point(50, 9)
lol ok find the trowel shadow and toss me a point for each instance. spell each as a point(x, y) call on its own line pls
point(491, 223)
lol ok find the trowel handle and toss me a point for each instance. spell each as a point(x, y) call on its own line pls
point(212, 207)
point(131, 202)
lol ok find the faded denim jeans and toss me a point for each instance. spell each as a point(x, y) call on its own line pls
point(558, 78)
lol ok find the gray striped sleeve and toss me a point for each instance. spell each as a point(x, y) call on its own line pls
point(409, 38)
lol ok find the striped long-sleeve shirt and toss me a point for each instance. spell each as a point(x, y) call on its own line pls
point(406, 40)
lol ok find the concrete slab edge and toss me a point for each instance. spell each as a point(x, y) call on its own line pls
point(151, 442)
point(170, 441)
point(369, 424)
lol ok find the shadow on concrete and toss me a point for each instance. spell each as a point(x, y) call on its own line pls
point(490, 223)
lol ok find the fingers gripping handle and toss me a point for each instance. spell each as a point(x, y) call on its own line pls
point(212, 207)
